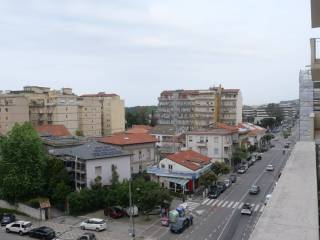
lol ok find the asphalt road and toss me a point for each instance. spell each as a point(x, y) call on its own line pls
point(220, 219)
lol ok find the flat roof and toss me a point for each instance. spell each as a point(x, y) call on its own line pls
point(292, 211)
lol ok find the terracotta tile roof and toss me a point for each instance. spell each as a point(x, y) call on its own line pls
point(100, 94)
point(128, 139)
point(233, 129)
point(190, 159)
point(53, 130)
point(139, 129)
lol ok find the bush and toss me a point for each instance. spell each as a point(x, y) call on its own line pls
point(5, 210)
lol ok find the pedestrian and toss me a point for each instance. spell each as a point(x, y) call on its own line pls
point(191, 219)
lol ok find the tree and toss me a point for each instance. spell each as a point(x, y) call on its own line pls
point(114, 176)
point(274, 110)
point(60, 194)
point(208, 179)
point(79, 133)
point(239, 154)
point(267, 122)
point(21, 164)
point(220, 168)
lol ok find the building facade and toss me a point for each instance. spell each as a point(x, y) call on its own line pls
point(191, 109)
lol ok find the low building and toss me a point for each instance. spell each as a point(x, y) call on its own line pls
point(180, 172)
point(168, 138)
point(93, 160)
point(53, 130)
point(140, 145)
point(215, 141)
point(139, 129)
point(254, 136)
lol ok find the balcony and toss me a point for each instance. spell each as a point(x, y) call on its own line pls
point(202, 143)
point(315, 58)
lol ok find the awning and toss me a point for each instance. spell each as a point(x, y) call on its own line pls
point(179, 181)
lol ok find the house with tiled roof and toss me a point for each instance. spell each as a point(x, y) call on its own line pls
point(53, 130)
point(254, 134)
point(180, 171)
point(215, 141)
point(140, 145)
point(139, 129)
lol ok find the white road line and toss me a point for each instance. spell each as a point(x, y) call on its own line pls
point(257, 207)
point(225, 204)
point(240, 205)
point(208, 203)
point(205, 201)
point(262, 208)
point(214, 203)
point(235, 205)
point(220, 202)
point(230, 204)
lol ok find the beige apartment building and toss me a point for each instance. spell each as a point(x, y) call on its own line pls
point(192, 109)
point(93, 115)
point(112, 112)
point(13, 109)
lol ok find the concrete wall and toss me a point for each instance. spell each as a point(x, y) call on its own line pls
point(123, 169)
point(32, 212)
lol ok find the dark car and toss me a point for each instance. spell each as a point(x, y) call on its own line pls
point(250, 163)
point(254, 189)
point(42, 233)
point(214, 192)
point(221, 186)
point(87, 236)
point(114, 212)
point(233, 178)
point(7, 218)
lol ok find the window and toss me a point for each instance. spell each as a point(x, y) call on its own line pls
point(190, 138)
point(163, 165)
point(170, 167)
point(97, 171)
point(207, 139)
point(216, 139)
point(216, 151)
point(6, 109)
point(201, 139)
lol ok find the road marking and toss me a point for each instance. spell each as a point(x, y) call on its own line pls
point(205, 201)
point(230, 204)
point(240, 205)
point(214, 203)
point(235, 205)
point(225, 204)
point(218, 205)
point(211, 200)
point(262, 208)
point(257, 207)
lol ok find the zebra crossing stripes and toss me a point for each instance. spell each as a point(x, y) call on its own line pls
point(240, 205)
point(262, 208)
point(235, 205)
point(214, 203)
point(209, 203)
point(225, 204)
point(192, 205)
point(256, 208)
point(220, 203)
point(230, 204)
point(205, 201)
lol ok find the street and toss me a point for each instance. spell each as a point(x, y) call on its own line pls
point(220, 219)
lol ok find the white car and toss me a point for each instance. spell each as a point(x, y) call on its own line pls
point(20, 227)
point(270, 167)
point(227, 182)
point(246, 209)
point(96, 224)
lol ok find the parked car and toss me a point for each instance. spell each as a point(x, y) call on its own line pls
point(221, 186)
point(286, 145)
point(227, 182)
point(250, 163)
point(87, 236)
point(242, 170)
point(134, 210)
point(114, 212)
point(42, 233)
point(214, 192)
point(7, 218)
point(258, 156)
point(155, 211)
point(181, 224)
point(245, 165)
point(254, 189)
point(96, 224)
point(270, 167)
point(233, 178)
point(20, 227)
point(246, 209)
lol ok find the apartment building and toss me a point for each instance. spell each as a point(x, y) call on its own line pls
point(190, 109)
point(93, 115)
point(89, 114)
point(13, 109)
point(112, 112)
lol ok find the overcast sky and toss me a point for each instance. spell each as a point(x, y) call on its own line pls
point(138, 48)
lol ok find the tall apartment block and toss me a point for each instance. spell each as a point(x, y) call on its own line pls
point(190, 109)
point(112, 112)
point(41, 105)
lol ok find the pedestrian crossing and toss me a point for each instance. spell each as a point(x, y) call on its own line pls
point(225, 204)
